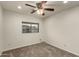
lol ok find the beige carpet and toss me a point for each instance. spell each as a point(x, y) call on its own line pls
point(38, 50)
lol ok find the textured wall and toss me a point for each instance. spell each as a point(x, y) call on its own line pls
point(13, 30)
point(63, 30)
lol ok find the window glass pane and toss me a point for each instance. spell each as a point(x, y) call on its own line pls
point(28, 27)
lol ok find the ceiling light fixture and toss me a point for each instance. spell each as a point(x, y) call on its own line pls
point(19, 7)
point(65, 1)
point(40, 11)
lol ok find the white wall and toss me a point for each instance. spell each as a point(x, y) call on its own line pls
point(13, 30)
point(63, 30)
point(1, 30)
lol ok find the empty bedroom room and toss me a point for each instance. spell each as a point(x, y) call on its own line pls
point(39, 28)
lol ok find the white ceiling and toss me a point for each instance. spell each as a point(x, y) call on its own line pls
point(57, 5)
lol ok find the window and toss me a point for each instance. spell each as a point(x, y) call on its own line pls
point(29, 27)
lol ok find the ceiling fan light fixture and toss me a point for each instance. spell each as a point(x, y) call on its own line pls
point(40, 11)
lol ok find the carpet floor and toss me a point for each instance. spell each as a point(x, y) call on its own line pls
point(37, 50)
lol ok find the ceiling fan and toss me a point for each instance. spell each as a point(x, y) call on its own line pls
point(40, 8)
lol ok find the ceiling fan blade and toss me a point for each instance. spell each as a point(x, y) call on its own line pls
point(30, 5)
point(33, 11)
point(49, 9)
